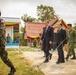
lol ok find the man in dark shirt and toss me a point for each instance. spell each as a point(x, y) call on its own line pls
point(47, 39)
point(61, 36)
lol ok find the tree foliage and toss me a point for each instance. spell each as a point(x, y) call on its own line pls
point(23, 41)
point(45, 13)
point(27, 18)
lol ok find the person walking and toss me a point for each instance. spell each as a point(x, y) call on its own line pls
point(61, 36)
point(47, 39)
point(3, 52)
point(71, 42)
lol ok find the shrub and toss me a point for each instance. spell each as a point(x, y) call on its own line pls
point(35, 43)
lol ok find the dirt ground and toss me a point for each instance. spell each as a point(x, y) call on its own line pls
point(51, 68)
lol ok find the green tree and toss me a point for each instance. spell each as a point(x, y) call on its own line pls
point(45, 13)
point(27, 18)
point(23, 41)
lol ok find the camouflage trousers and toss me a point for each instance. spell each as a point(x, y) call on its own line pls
point(71, 49)
point(4, 57)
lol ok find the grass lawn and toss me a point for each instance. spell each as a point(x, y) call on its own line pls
point(24, 48)
point(23, 67)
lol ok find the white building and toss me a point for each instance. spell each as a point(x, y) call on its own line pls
point(12, 25)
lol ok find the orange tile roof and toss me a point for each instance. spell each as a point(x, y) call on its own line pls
point(33, 29)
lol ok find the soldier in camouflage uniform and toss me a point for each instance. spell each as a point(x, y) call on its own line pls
point(3, 53)
point(71, 41)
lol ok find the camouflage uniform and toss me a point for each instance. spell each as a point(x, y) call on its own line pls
point(71, 41)
point(3, 53)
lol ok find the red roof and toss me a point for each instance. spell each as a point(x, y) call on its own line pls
point(33, 29)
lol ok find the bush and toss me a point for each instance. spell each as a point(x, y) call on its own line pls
point(23, 41)
point(35, 43)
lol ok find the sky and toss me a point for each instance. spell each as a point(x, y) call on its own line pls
point(66, 9)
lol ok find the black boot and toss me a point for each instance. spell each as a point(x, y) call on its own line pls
point(13, 70)
point(67, 58)
point(46, 61)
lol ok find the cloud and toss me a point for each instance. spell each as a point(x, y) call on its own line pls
point(68, 2)
point(66, 9)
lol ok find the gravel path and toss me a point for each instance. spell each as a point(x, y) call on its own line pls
point(51, 68)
